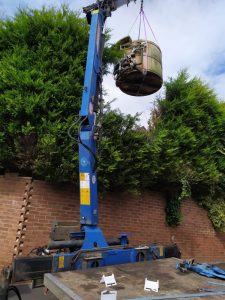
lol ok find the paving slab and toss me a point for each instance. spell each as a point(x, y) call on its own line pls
point(85, 284)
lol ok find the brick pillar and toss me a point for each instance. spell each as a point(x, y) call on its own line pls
point(14, 201)
point(24, 214)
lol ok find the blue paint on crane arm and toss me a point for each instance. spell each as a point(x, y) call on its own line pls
point(107, 255)
point(93, 65)
point(87, 145)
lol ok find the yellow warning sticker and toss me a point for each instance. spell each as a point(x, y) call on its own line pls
point(85, 196)
point(160, 250)
point(82, 176)
point(61, 262)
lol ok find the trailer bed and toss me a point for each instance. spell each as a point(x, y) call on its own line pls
point(85, 284)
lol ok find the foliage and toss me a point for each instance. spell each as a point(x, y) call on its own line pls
point(42, 63)
point(187, 135)
point(123, 153)
point(173, 208)
point(216, 211)
point(174, 199)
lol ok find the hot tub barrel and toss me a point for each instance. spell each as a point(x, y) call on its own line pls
point(139, 73)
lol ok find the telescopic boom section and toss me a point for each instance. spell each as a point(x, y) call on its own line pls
point(87, 143)
point(107, 5)
point(119, 3)
point(96, 14)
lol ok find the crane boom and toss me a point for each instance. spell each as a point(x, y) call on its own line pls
point(114, 4)
point(122, 2)
point(107, 5)
point(91, 100)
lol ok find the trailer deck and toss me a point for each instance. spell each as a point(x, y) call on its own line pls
point(85, 284)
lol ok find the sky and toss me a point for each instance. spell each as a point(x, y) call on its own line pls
point(190, 33)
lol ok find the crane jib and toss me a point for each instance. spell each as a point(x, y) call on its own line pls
point(107, 5)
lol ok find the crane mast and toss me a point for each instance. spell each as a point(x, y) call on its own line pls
point(96, 15)
point(90, 240)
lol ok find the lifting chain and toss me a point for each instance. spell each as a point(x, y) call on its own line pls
point(142, 6)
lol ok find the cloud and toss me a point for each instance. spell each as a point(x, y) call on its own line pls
point(217, 65)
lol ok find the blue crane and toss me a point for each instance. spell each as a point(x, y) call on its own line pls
point(91, 247)
point(87, 248)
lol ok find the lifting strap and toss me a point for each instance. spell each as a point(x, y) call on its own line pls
point(142, 19)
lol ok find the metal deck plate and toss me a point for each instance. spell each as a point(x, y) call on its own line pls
point(85, 284)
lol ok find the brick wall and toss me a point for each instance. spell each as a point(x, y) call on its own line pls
point(28, 209)
point(14, 193)
point(144, 219)
point(48, 204)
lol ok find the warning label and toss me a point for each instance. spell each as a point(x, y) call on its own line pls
point(85, 197)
